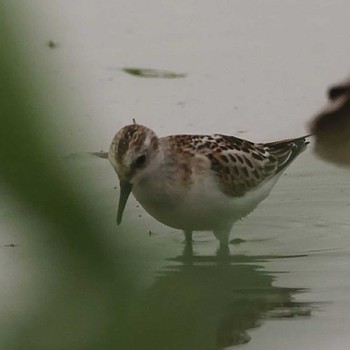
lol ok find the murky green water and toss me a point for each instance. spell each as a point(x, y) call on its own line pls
point(286, 286)
point(287, 283)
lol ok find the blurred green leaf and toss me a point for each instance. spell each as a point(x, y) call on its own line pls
point(86, 309)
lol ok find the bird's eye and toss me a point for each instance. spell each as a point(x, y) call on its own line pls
point(140, 161)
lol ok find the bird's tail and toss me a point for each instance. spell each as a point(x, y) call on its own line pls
point(286, 150)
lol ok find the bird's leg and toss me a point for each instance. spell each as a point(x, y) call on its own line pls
point(223, 251)
point(188, 237)
point(223, 235)
point(187, 253)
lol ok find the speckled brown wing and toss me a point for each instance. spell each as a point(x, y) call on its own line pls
point(241, 165)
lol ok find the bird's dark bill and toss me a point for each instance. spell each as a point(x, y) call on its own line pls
point(125, 189)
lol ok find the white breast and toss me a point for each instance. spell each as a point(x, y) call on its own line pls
point(201, 206)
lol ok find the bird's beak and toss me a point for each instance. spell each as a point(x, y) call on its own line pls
point(125, 189)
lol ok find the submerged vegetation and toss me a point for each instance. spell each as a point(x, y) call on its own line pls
point(152, 73)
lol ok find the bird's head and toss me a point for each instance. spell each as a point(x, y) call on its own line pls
point(130, 153)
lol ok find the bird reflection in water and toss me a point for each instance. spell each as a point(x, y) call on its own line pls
point(209, 302)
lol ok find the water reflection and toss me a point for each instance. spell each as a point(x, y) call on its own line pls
point(208, 302)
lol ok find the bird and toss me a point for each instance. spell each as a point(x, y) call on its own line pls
point(197, 182)
point(331, 126)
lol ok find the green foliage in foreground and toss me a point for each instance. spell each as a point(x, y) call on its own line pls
point(152, 73)
point(86, 311)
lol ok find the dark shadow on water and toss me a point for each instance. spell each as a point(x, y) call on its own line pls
point(209, 302)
